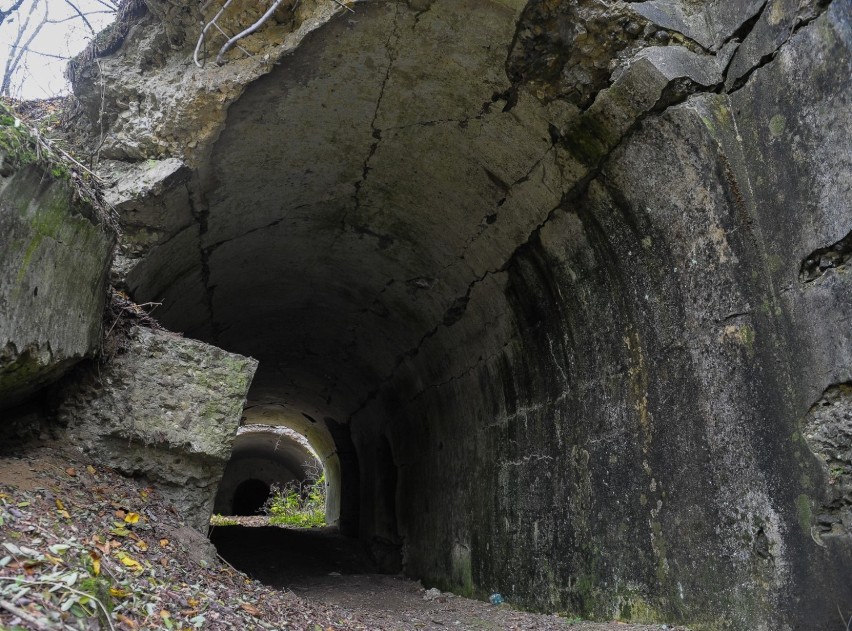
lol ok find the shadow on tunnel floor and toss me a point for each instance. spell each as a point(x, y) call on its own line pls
point(288, 557)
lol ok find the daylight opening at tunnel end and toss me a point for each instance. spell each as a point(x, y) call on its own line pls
point(273, 475)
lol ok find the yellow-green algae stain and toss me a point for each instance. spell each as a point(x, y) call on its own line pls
point(803, 510)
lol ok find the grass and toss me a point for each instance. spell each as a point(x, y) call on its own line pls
point(298, 504)
point(223, 520)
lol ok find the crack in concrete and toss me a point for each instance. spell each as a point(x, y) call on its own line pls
point(458, 308)
point(479, 362)
point(390, 47)
point(744, 30)
point(452, 315)
point(426, 4)
point(201, 212)
point(455, 312)
point(798, 24)
point(492, 217)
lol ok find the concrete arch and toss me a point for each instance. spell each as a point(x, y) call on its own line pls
point(570, 300)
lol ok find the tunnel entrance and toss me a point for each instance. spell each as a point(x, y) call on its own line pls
point(265, 459)
point(513, 271)
point(250, 496)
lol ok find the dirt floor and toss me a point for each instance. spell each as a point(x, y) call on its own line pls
point(84, 548)
point(323, 567)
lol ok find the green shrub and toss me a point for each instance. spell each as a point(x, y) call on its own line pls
point(298, 504)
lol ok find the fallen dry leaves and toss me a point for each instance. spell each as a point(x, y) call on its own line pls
point(75, 554)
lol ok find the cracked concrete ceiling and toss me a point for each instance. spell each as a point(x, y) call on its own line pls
point(354, 196)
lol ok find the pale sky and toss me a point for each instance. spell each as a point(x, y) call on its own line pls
point(40, 75)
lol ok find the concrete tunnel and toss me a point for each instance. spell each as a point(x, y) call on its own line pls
point(264, 456)
point(528, 360)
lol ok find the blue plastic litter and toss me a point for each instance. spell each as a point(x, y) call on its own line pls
point(496, 599)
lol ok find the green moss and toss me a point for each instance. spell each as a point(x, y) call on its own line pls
point(776, 125)
point(25, 263)
point(20, 148)
point(634, 609)
point(25, 370)
point(46, 223)
point(747, 335)
point(803, 510)
point(462, 570)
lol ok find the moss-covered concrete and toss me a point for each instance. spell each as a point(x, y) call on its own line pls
point(167, 408)
point(55, 251)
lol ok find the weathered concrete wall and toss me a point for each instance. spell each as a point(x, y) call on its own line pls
point(167, 409)
point(642, 404)
point(55, 252)
point(564, 284)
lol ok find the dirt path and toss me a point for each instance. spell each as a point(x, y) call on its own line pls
point(323, 567)
point(67, 522)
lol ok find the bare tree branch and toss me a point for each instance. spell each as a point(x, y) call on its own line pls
point(14, 59)
point(206, 28)
point(32, 18)
point(42, 54)
point(82, 15)
point(71, 18)
point(112, 6)
point(230, 43)
point(348, 8)
point(15, 6)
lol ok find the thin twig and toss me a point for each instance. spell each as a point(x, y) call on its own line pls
point(223, 560)
point(24, 615)
point(109, 5)
point(204, 33)
point(38, 52)
point(228, 35)
point(101, 113)
point(14, 60)
point(843, 618)
point(230, 43)
point(62, 586)
point(350, 9)
point(51, 147)
point(71, 18)
point(82, 15)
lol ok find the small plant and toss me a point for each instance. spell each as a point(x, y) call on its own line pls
point(222, 520)
point(300, 504)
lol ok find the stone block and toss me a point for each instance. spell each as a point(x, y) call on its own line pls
point(55, 252)
point(167, 409)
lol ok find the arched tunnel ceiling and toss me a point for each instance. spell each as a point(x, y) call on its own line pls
point(355, 195)
point(266, 444)
point(578, 346)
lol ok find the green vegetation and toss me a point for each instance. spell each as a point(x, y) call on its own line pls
point(803, 508)
point(16, 142)
point(223, 520)
point(298, 504)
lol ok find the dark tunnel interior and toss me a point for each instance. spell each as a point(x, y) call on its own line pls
point(250, 496)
